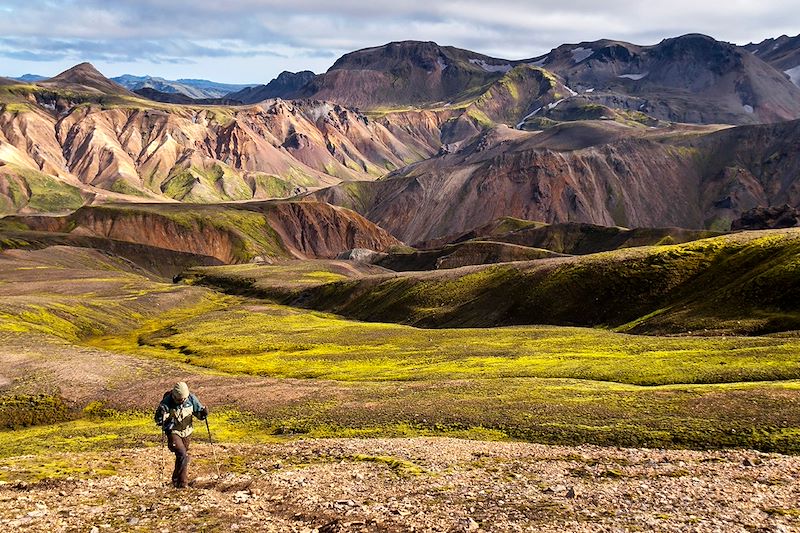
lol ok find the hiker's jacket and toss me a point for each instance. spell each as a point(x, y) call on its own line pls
point(177, 418)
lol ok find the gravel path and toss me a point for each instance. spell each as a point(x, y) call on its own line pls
point(423, 484)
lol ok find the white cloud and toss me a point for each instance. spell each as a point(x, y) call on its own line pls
point(273, 35)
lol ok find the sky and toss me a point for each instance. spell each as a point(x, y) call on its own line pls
point(251, 41)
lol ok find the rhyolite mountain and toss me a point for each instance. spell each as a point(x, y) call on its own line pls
point(80, 137)
point(197, 89)
point(442, 143)
point(782, 53)
point(287, 85)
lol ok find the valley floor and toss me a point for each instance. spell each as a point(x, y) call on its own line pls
point(89, 343)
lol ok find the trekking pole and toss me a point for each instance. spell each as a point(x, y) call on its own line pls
point(213, 450)
point(161, 470)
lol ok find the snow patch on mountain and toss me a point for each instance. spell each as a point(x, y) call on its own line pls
point(635, 77)
point(526, 117)
point(579, 54)
point(794, 75)
point(489, 67)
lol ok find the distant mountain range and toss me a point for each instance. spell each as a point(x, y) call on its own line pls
point(192, 88)
point(430, 141)
point(196, 89)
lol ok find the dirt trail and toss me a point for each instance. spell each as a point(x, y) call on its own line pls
point(424, 484)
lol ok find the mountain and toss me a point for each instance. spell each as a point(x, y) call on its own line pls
point(782, 53)
point(180, 98)
point(286, 86)
point(692, 78)
point(408, 73)
point(73, 143)
point(598, 172)
point(29, 78)
point(232, 233)
point(87, 79)
point(197, 89)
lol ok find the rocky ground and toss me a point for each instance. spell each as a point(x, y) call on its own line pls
point(423, 484)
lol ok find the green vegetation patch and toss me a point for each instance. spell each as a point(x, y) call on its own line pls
point(48, 194)
point(24, 410)
point(279, 341)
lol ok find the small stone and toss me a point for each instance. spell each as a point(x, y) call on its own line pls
point(571, 493)
point(555, 489)
point(133, 521)
point(95, 529)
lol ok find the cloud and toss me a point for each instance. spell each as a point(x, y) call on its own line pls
point(182, 31)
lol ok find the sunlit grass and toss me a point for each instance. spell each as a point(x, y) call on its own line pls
point(284, 342)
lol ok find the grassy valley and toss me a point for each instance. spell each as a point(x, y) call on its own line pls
point(539, 383)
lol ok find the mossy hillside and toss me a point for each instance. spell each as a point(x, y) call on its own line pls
point(279, 341)
point(89, 296)
point(509, 99)
point(37, 192)
point(729, 284)
point(218, 183)
point(269, 186)
point(278, 281)
point(580, 238)
point(395, 379)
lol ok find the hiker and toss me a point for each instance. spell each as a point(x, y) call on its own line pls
point(174, 414)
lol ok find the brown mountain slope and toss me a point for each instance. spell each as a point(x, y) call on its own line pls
point(598, 172)
point(229, 233)
point(692, 78)
point(404, 74)
point(85, 78)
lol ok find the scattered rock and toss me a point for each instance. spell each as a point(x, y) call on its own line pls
point(241, 497)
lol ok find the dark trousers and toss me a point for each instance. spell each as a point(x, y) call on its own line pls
point(180, 447)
